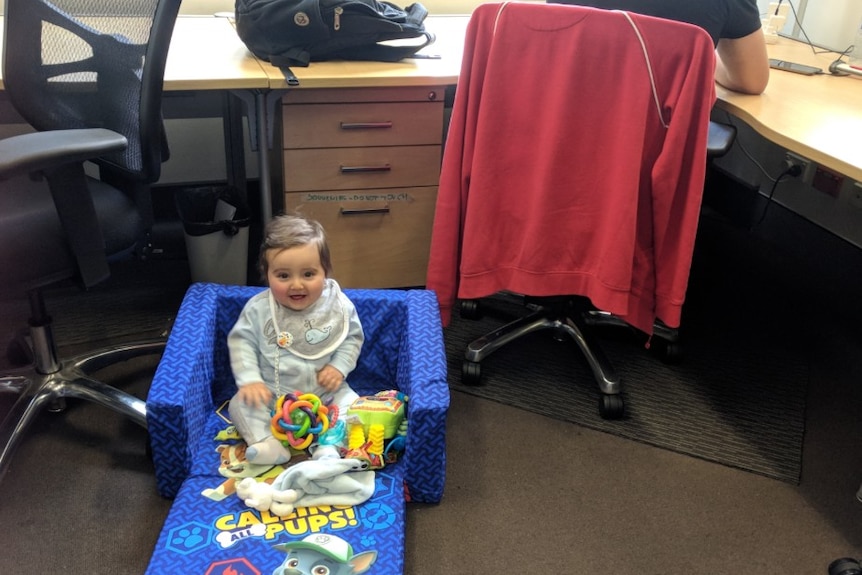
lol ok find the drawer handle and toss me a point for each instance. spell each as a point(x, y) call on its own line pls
point(359, 211)
point(366, 125)
point(360, 169)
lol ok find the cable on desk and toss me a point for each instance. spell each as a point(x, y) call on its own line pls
point(808, 40)
point(746, 153)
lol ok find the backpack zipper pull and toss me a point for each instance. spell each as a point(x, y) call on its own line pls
point(337, 21)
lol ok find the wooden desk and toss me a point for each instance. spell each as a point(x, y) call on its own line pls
point(207, 54)
point(818, 117)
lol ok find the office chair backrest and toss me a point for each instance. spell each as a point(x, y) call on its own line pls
point(93, 63)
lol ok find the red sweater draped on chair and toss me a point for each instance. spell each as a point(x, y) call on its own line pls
point(575, 160)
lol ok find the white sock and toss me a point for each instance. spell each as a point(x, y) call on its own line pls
point(270, 451)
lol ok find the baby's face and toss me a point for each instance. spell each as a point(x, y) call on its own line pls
point(295, 276)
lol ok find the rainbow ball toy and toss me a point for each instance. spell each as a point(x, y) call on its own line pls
point(298, 420)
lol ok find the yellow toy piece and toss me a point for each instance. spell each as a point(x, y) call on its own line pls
point(375, 439)
point(356, 439)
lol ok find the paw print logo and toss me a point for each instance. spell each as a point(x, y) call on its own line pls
point(368, 541)
point(301, 19)
point(377, 515)
point(189, 538)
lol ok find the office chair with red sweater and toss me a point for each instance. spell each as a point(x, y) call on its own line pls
point(575, 184)
point(87, 76)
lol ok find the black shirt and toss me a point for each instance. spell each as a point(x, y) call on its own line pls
point(720, 18)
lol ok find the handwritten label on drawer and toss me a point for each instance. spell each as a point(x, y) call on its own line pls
point(357, 197)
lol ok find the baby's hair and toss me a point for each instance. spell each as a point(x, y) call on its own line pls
point(289, 231)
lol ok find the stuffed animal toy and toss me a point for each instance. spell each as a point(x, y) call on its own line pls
point(233, 465)
point(328, 481)
point(264, 497)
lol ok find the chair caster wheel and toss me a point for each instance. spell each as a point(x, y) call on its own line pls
point(669, 352)
point(471, 309)
point(611, 406)
point(471, 373)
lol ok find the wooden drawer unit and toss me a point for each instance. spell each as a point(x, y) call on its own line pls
point(365, 163)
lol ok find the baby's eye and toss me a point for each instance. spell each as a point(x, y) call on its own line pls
point(310, 274)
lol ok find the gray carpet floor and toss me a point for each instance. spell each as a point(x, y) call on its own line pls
point(525, 492)
point(727, 400)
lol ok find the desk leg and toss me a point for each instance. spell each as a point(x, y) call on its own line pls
point(263, 145)
point(234, 139)
point(260, 125)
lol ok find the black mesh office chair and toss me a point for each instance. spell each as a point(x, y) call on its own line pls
point(87, 76)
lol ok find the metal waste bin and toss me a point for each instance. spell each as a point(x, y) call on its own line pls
point(215, 222)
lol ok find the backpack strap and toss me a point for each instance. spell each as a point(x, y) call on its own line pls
point(291, 57)
point(374, 52)
point(386, 52)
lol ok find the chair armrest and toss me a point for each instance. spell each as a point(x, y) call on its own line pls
point(421, 374)
point(180, 397)
point(39, 151)
point(720, 139)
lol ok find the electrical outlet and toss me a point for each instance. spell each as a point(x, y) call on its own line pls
point(827, 182)
point(791, 159)
point(856, 195)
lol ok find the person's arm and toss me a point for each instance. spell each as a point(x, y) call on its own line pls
point(742, 64)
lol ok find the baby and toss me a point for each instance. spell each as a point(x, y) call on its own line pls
point(301, 335)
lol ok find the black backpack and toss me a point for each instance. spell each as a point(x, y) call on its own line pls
point(296, 32)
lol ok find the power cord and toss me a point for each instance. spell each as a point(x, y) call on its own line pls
point(810, 43)
point(792, 170)
point(730, 119)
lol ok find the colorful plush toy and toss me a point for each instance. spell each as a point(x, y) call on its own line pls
point(386, 408)
point(299, 420)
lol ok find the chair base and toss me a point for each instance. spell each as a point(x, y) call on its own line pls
point(567, 318)
point(71, 378)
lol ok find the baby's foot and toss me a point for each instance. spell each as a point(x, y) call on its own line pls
point(270, 451)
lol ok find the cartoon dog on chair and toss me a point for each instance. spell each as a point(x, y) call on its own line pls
point(233, 466)
point(323, 554)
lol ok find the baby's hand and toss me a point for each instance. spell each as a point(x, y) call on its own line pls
point(329, 378)
point(255, 394)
